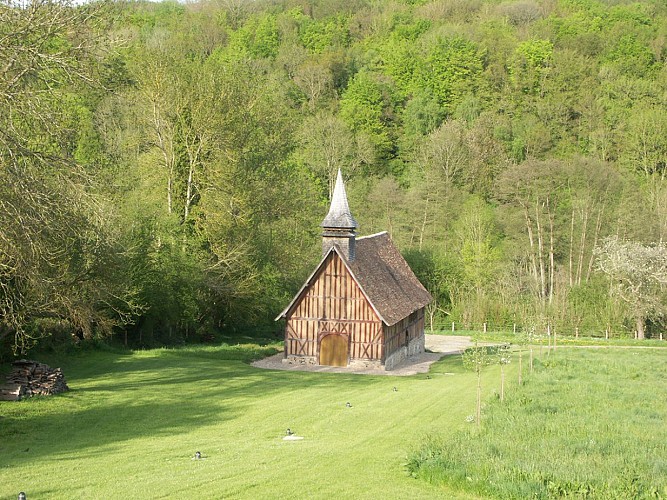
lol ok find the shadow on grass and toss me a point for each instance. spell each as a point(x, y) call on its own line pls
point(116, 398)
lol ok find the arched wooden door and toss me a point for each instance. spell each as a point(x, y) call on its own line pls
point(333, 350)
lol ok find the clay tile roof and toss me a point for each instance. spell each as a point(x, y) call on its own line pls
point(339, 215)
point(386, 278)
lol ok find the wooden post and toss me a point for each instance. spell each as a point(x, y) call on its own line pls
point(548, 339)
point(531, 359)
point(485, 327)
point(452, 326)
point(554, 339)
point(660, 335)
point(606, 333)
point(576, 332)
point(514, 329)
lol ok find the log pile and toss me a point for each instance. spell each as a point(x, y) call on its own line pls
point(30, 378)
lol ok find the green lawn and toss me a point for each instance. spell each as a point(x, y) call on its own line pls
point(132, 422)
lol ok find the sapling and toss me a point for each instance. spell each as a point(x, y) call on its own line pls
point(522, 340)
point(475, 358)
point(503, 355)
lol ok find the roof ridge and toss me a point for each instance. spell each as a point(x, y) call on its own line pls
point(372, 235)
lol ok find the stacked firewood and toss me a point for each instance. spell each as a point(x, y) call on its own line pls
point(30, 378)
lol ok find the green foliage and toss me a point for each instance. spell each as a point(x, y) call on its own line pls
point(451, 68)
point(631, 56)
point(259, 36)
point(325, 34)
point(364, 106)
point(531, 64)
point(212, 131)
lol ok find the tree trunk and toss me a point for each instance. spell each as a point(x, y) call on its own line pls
point(571, 248)
point(540, 253)
point(551, 253)
point(423, 227)
point(582, 245)
point(640, 327)
point(531, 241)
point(598, 227)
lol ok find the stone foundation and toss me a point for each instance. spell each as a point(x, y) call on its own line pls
point(300, 360)
point(401, 354)
point(362, 364)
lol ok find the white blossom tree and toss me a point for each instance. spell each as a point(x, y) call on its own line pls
point(638, 274)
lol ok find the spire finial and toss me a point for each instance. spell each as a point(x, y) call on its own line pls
point(339, 215)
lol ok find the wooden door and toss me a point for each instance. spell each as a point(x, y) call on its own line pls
point(333, 350)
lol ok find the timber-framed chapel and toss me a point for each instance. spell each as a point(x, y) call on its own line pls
point(362, 306)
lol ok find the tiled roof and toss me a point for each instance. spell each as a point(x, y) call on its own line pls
point(386, 278)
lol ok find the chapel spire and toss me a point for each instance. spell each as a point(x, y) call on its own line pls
point(339, 225)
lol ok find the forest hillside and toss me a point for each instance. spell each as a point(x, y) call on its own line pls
point(164, 167)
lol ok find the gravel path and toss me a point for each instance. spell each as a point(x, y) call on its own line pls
point(437, 346)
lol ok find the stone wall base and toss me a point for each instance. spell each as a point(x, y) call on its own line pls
point(300, 360)
point(362, 364)
point(417, 346)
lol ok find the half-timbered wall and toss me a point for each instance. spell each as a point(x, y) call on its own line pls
point(401, 334)
point(404, 338)
point(333, 303)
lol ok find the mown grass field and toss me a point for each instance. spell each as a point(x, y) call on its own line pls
point(132, 422)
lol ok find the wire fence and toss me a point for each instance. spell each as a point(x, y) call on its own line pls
point(541, 329)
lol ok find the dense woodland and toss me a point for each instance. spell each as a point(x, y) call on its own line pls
point(164, 167)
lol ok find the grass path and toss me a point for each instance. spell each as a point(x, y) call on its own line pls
point(132, 422)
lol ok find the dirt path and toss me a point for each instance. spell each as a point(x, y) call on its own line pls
point(437, 346)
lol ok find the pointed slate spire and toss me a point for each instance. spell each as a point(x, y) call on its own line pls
point(339, 225)
point(339, 215)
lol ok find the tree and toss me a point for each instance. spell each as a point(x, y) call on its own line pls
point(476, 358)
point(638, 274)
point(327, 144)
point(58, 258)
point(504, 357)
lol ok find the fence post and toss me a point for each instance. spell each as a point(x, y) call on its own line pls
point(485, 327)
point(576, 332)
point(554, 339)
point(452, 326)
point(606, 333)
point(514, 329)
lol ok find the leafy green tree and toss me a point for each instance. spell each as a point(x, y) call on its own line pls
point(531, 64)
point(364, 106)
point(479, 253)
point(451, 69)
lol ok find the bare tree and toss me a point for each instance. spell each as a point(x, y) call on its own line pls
point(55, 248)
